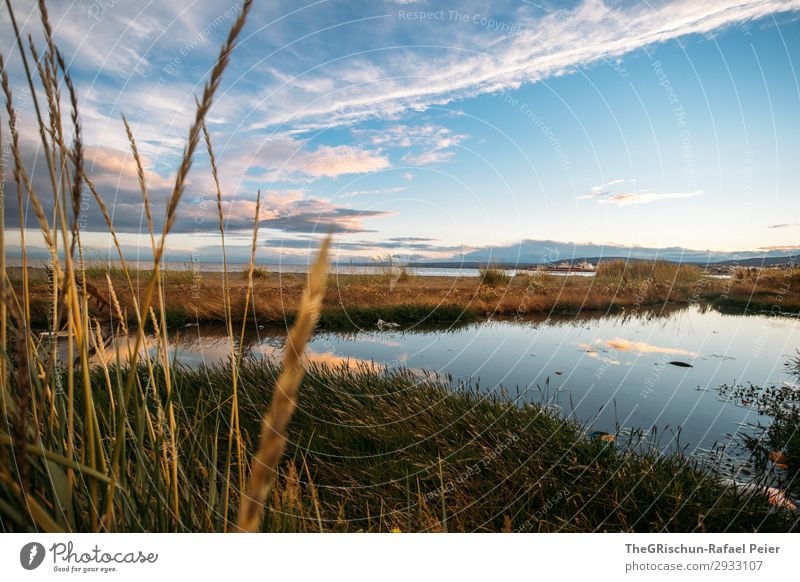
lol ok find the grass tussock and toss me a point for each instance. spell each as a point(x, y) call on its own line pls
point(65, 462)
point(493, 277)
point(769, 290)
point(390, 268)
point(259, 274)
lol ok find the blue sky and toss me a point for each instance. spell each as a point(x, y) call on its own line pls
point(438, 130)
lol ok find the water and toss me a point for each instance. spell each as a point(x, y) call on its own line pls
point(612, 373)
point(337, 269)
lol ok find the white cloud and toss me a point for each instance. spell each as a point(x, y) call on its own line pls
point(427, 144)
point(379, 192)
point(406, 66)
point(415, 78)
point(608, 194)
point(628, 198)
point(332, 161)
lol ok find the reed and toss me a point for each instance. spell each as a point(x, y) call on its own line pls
point(493, 276)
point(260, 274)
point(276, 421)
point(96, 462)
point(388, 267)
point(636, 271)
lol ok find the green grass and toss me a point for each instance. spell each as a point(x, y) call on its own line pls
point(760, 302)
point(96, 271)
point(186, 273)
point(372, 451)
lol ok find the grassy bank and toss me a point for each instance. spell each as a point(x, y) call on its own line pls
point(383, 451)
point(360, 300)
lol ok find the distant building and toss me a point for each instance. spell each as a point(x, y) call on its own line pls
point(570, 267)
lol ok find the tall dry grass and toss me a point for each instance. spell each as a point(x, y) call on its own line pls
point(636, 271)
point(493, 276)
point(284, 398)
point(77, 456)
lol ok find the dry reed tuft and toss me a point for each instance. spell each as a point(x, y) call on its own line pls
point(634, 271)
point(274, 426)
point(493, 276)
point(100, 459)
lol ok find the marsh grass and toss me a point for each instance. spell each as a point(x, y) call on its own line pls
point(99, 271)
point(260, 274)
point(69, 464)
point(777, 442)
point(392, 269)
point(374, 450)
point(636, 271)
point(493, 276)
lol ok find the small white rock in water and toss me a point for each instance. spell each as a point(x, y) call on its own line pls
point(387, 324)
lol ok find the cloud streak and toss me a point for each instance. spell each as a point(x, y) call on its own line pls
point(629, 198)
point(418, 77)
point(606, 194)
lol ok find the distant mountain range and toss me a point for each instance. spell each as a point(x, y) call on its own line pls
point(538, 252)
point(753, 262)
point(526, 253)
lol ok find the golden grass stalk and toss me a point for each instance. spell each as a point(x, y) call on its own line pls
point(161, 331)
point(234, 434)
point(226, 292)
point(203, 106)
point(272, 443)
point(4, 396)
point(235, 430)
point(21, 174)
point(115, 304)
point(107, 433)
point(142, 181)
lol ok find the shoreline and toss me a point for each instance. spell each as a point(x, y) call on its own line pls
point(357, 301)
point(470, 452)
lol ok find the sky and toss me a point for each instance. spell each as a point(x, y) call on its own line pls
point(438, 131)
